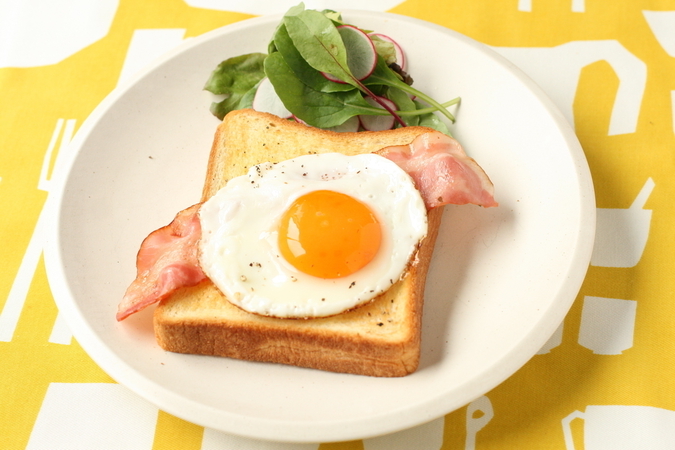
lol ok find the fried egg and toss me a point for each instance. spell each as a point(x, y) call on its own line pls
point(312, 236)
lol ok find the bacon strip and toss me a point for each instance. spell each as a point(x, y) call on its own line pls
point(442, 171)
point(168, 258)
point(166, 261)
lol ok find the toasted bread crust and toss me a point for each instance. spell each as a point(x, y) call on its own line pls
point(246, 138)
point(381, 338)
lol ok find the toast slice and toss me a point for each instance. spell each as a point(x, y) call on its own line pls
point(381, 338)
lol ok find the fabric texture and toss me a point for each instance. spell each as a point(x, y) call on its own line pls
point(604, 380)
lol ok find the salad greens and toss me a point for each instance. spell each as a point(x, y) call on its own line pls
point(327, 73)
point(237, 78)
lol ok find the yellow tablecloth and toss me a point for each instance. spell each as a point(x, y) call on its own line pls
point(604, 381)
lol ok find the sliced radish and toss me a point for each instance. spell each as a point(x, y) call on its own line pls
point(332, 78)
point(378, 123)
point(350, 125)
point(400, 56)
point(267, 100)
point(361, 54)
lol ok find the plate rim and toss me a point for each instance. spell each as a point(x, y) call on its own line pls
point(278, 431)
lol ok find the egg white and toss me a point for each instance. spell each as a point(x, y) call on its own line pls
point(239, 250)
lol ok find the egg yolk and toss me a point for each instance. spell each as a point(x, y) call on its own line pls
point(328, 234)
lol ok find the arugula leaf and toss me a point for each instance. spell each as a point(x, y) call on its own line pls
point(235, 77)
point(220, 109)
point(431, 120)
point(403, 103)
point(237, 74)
point(383, 75)
point(319, 109)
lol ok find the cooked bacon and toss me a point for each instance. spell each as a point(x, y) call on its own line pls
point(166, 261)
point(442, 171)
point(168, 258)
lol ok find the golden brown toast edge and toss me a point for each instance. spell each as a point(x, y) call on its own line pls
point(276, 139)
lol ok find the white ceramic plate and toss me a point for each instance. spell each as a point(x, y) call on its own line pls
point(501, 281)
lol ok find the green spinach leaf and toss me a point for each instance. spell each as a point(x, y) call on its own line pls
point(317, 108)
point(383, 75)
point(431, 120)
point(319, 42)
point(310, 76)
point(234, 78)
point(403, 103)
